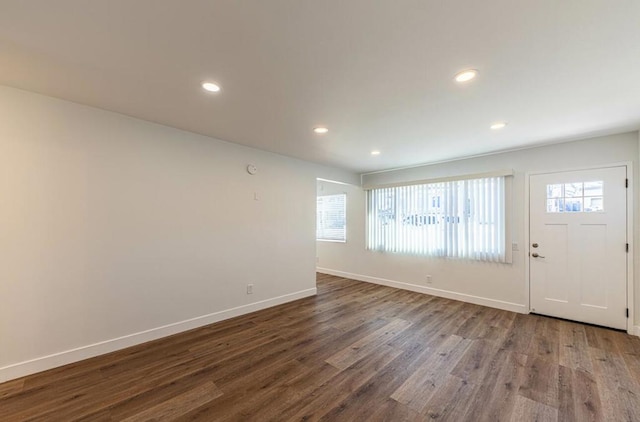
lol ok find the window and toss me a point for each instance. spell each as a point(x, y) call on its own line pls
point(576, 197)
point(460, 218)
point(331, 217)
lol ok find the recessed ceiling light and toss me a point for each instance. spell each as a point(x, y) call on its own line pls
point(211, 87)
point(498, 125)
point(466, 75)
point(320, 130)
point(375, 152)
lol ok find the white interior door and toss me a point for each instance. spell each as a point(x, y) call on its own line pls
point(577, 248)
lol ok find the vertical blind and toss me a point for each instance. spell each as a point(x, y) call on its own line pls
point(458, 219)
point(331, 217)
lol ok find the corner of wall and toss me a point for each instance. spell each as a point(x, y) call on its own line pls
point(66, 357)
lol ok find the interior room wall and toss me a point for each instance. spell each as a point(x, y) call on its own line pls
point(498, 285)
point(115, 231)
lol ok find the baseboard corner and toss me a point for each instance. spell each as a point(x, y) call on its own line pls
point(462, 297)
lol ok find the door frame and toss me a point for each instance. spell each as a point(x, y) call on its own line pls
point(630, 255)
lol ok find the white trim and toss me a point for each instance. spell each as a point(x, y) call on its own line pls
point(462, 297)
point(631, 254)
point(636, 330)
point(630, 226)
point(593, 167)
point(527, 242)
point(320, 179)
point(44, 363)
point(497, 173)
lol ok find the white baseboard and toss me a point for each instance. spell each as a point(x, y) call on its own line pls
point(463, 297)
point(636, 330)
point(74, 355)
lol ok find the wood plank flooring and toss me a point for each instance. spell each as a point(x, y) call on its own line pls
point(354, 352)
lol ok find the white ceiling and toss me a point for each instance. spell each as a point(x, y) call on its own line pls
point(377, 73)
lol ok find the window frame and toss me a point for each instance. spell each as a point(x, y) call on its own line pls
point(492, 254)
point(318, 219)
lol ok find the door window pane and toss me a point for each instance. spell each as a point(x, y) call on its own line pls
point(593, 188)
point(573, 204)
point(572, 190)
point(555, 205)
point(576, 197)
point(593, 204)
point(554, 191)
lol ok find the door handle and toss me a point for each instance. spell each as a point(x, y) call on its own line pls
point(535, 255)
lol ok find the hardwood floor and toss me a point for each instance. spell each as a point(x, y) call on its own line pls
point(354, 352)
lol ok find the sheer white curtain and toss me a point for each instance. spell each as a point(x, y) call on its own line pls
point(458, 219)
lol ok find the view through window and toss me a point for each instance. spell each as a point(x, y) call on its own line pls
point(576, 197)
point(331, 218)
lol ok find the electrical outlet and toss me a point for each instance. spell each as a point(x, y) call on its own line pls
point(514, 246)
point(249, 289)
point(429, 280)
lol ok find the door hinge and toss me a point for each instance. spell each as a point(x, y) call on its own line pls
point(627, 248)
point(627, 312)
point(626, 183)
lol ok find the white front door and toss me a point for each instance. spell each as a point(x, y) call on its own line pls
point(577, 248)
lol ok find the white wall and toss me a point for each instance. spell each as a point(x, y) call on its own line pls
point(492, 284)
point(114, 231)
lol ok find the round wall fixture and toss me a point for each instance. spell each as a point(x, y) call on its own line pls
point(251, 169)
